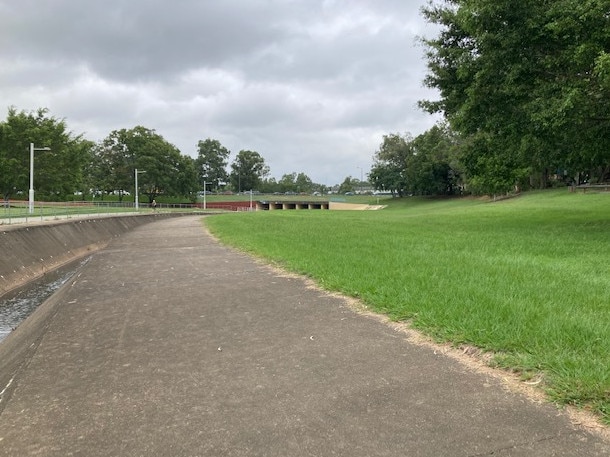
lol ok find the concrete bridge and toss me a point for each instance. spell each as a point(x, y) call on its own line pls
point(271, 205)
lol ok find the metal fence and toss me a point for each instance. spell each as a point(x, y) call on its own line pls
point(17, 211)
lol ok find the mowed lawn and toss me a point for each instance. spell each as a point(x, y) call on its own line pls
point(526, 279)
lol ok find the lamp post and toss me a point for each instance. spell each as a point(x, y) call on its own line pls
point(136, 192)
point(361, 178)
point(31, 193)
point(205, 183)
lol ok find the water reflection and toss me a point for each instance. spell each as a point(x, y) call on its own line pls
point(18, 305)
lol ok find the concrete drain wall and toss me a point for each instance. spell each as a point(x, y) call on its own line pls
point(28, 252)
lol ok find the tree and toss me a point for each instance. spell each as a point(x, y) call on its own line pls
point(390, 164)
point(165, 170)
point(426, 165)
point(187, 179)
point(527, 80)
point(291, 182)
point(434, 168)
point(269, 186)
point(287, 183)
point(211, 163)
point(115, 163)
point(303, 183)
point(295, 182)
point(387, 178)
point(58, 172)
point(347, 185)
point(248, 170)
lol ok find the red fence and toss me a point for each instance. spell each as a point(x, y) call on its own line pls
point(230, 206)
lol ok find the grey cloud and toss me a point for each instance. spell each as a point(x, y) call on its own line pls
point(137, 40)
point(311, 84)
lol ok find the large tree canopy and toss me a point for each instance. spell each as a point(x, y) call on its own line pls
point(426, 165)
point(248, 170)
point(528, 81)
point(435, 168)
point(390, 164)
point(57, 172)
point(211, 163)
point(74, 166)
point(164, 171)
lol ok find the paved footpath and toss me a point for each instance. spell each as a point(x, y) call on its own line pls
point(169, 344)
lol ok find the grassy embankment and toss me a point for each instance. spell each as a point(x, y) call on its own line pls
point(527, 279)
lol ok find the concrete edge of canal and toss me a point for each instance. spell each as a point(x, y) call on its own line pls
point(29, 252)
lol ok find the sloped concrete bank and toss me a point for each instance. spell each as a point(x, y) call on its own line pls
point(27, 253)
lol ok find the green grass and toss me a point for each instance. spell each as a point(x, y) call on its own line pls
point(527, 279)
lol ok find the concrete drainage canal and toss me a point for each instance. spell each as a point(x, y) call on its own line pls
point(17, 305)
point(37, 260)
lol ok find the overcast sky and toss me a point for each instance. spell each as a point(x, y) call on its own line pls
point(311, 85)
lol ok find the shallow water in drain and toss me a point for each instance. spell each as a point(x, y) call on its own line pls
point(18, 305)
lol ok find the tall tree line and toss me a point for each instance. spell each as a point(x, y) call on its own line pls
point(526, 85)
point(428, 164)
point(75, 165)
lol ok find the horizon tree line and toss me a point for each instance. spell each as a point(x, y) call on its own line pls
point(75, 165)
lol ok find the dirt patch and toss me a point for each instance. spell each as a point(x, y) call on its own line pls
point(336, 206)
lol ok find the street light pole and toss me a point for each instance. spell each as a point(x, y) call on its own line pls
point(205, 183)
point(31, 192)
point(361, 178)
point(137, 203)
